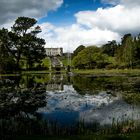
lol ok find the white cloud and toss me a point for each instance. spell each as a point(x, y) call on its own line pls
point(97, 27)
point(119, 19)
point(72, 36)
point(11, 9)
point(91, 27)
point(124, 2)
point(113, 2)
point(130, 3)
point(7, 25)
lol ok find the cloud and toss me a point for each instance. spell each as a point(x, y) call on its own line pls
point(97, 27)
point(117, 19)
point(113, 2)
point(72, 36)
point(92, 27)
point(11, 9)
point(130, 3)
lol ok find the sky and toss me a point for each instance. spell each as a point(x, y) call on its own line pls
point(70, 23)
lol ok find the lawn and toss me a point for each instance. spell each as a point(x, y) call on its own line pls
point(112, 72)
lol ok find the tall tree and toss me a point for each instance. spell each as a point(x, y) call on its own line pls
point(136, 52)
point(77, 50)
point(7, 61)
point(127, 44)
point(110, 48)
point(25, 41)
point(90, 57)
point(34, 50)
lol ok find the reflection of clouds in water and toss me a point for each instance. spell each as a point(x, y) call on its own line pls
point(118, 110)
point(102, 107)
point(69, 99)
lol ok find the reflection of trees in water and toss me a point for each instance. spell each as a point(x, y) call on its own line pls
point(17, 96)
point(20, 97)
point(93, 84)
point(96, 84)
point(18, 102)
point(132, 95)
point(129, 87)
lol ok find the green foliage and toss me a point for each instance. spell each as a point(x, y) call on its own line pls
point(33, 49)
point(90, 57)
point(27, 45)
point(110, 55)
point(78, 49)
point(110, 48)
point(23, 24)
point(64, 59)
point(22, 48)
point(133, 98)
point(46, 63)
point(127, 50)
point(136, 52)
point(21, 45)
point(7, 62)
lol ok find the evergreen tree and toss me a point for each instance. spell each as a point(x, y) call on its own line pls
point(7, 61)
point(25, 41)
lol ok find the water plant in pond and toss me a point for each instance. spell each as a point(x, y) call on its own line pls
point(22, 125)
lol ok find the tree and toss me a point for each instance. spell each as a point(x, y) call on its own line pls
point(33, 50)
point(7, 61)
point(127, 49)
point(77, 50)
point(136, 52)
point(110, 48)
point(90, 57)
point(26, 44)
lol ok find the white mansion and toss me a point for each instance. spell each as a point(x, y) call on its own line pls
point(54, 51)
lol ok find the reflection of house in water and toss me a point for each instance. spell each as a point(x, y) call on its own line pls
point(55, 87)
point(55, 84)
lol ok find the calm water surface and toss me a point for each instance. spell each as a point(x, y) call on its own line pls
point(91, 99)
point(66, 101)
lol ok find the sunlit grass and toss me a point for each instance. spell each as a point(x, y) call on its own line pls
point(107, 72)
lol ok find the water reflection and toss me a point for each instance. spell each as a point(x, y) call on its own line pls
point(92, 99)
point(20, 95)
point(56, 83)
point(29, 102)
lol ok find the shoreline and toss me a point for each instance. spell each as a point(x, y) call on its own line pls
point(85, 72)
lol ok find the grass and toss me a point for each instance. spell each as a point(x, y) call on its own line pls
point(10, 74)
point(80, 137)
point(46, 62)
point(36, 72)
point(112, 72)
point(98, 72)
point(26, 127)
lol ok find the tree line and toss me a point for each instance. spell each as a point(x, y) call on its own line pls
point(111, 55)
point(21, 45)
point(21, 48)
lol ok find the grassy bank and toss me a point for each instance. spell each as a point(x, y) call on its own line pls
point(96, 72)
point(112, 72)
point(81, 137)
point(34, 72)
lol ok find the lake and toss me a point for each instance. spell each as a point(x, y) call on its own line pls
point(53, 104)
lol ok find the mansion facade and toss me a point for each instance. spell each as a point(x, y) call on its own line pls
point(54, 51)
